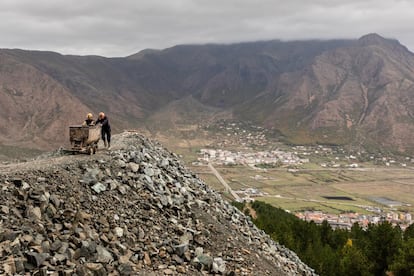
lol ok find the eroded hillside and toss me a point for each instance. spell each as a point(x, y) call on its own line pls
point(333, 92)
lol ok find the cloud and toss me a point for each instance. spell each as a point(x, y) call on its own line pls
point(120, 28)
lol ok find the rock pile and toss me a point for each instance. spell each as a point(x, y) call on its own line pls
point(133, 211)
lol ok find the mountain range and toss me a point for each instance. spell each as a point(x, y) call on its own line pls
point(318, 91)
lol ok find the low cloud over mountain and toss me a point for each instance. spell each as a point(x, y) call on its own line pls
point(337, 91)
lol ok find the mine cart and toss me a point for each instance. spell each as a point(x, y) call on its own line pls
point(84, 139)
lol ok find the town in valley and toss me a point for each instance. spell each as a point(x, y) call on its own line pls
point(340, 184)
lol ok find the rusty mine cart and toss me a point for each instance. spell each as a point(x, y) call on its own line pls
point(84, 139)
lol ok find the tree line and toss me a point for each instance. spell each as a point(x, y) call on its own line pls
point(380, 249)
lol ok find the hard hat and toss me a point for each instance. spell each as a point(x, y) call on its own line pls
point(89, 116)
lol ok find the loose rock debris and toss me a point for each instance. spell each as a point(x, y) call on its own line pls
point(135, 210)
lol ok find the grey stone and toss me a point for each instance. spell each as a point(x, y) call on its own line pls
point(103, 255)
point(132, 155)
point(19, 265)
point(122, 189)
point(166, 200)
point(219, 266)
point(177, 259)
point(9, 235)
point(88, 248)
point(205, 261)
point(164, 163)
point(36, 259)
point(55, 245)
point(34, 212)
point(113, 184)
point(168, 271)
point(119, 231)
point(150, 187)
point(133, 167)
point(25, 186)
point(145, 178)
point(181, 249)
point(149, 172)
point(198, 251)
point(62, 249)
point(4, 209)
point(46, 246)
point(141, 234)
point(55, 200)
point(60, 258)
point(99, 187)
point(70, 253)
point(91, 176)
point(125, 269)
point(96, 269)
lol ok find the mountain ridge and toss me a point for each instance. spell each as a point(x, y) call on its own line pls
point(335, 91)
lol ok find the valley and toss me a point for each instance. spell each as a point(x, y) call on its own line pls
point(314, 125)
point(342, 184)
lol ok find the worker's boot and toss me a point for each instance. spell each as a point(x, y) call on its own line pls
point(105, 144)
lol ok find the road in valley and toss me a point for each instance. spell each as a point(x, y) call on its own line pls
point(223, 182)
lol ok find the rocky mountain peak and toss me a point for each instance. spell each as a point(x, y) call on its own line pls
point(376, 39)
point(133, 211)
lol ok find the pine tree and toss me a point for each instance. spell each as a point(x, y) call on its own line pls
point(403, 264)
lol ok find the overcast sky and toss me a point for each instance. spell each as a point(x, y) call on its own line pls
point(123, 27)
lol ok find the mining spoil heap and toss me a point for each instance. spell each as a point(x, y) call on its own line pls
point(134, 210)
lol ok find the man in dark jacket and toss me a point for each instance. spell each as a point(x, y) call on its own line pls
point(106, 129)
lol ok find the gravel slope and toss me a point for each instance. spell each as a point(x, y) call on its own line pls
point(133, 210)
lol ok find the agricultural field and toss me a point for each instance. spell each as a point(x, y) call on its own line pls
point(307, 189)
point(327, 182)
